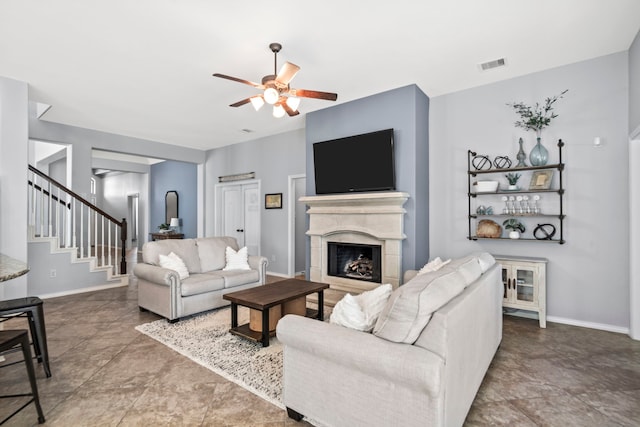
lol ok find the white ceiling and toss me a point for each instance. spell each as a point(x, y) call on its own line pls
point(143, 68)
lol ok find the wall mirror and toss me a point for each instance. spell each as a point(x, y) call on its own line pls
point(170, 206)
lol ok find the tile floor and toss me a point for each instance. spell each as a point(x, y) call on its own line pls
point(107, 374)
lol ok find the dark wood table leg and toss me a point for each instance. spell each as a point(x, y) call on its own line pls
point(321, 305)
point(234, 315)
point(265, 327)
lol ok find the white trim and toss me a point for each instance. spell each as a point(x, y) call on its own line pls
point(291, 246)
point(590, 325)
point(200, 203)
point(634, 235)
point(84, 290)
point(272, 273)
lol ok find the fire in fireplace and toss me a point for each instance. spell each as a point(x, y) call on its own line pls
point(354, 261)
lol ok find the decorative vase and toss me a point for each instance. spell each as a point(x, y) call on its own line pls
point(521, 156)
point(539, 155)
point(513, 187)
point(514, 234)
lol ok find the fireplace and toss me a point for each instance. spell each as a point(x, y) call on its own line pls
point(356, 220)
point(354, 261)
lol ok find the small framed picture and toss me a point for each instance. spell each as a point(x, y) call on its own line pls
point(541, 180)
point(273, 201)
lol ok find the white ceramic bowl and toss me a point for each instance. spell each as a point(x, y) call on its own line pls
point(486, 186)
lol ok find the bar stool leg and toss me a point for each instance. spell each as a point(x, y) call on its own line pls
point(26, 352)
point(41, 337)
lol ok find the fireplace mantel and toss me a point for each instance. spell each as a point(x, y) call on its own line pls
point(367, 218)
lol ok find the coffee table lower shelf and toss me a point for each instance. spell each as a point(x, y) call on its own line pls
point(245, 332)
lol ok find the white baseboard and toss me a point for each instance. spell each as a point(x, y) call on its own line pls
point(83, 290)
point(572, 322)
point(591, 325)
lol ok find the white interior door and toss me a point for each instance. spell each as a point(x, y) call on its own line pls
point(238, 207)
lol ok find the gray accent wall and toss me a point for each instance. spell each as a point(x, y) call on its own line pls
point(406, 110)
point(272, 159)
point(181, 177)
point(588, 277)
point(634, 84)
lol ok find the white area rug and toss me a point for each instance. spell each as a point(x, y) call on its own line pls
point(205, 339)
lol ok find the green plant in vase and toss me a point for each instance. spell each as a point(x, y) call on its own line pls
point(515, 226)
point(513, 180)
point(536, 118)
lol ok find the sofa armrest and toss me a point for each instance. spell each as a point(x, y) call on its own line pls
point(155, 274)
point(412, 366)
point(259, 263)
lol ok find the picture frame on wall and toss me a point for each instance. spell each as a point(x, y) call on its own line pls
point(273, 201)
point(541, 180)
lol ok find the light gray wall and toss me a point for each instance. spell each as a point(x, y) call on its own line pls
point(634, 84)
point(406, 110)
point(14, 136)
point(272, 159)
point(588, 277)
point(69, 277)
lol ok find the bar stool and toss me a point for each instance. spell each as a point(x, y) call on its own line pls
point(30, 307)
point(9, 340)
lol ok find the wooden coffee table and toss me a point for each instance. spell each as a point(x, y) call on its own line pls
point(264, 298)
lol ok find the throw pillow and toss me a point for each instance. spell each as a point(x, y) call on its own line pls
point(361, 312)
point(174, 262)
point(433, 265)
point(237, 260)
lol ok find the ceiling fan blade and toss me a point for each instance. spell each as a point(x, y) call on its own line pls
point(288, 109)
point(303, 93)
point(287, 72)
point(235, 79)
point(241, 103)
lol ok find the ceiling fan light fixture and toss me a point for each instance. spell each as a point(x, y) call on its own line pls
point(278, 111)
point(257, 102)
point(271, 95)
point(293, 103)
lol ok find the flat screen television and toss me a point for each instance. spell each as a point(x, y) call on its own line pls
point(355, 164)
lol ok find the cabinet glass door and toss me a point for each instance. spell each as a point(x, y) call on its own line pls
point(526, 292)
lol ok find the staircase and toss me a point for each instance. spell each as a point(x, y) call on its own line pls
point(69, 224)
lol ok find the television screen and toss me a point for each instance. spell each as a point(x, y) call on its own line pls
point(355, 164)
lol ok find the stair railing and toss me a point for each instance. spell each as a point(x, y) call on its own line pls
point(56, 211)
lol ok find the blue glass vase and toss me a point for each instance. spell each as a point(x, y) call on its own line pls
point(539, 155)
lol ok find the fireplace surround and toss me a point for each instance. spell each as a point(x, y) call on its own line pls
point(375, 219)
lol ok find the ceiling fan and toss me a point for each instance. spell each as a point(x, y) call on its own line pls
point(276, 89)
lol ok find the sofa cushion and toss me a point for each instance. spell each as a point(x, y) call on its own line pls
point(233, 278)
point(211, 251)
point(410, 307)
point(468, 266)
point(186, 249)
point(201, 283)
point(237, 260)
point(174, 262)
point(361, 312)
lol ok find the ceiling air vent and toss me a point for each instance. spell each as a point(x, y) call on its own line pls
point(492, 64)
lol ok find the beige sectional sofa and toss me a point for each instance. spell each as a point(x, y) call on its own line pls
point(404, 373)
point(161, 290)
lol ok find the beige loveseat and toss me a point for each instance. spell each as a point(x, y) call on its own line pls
point(161, 290)
point(416, 375)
